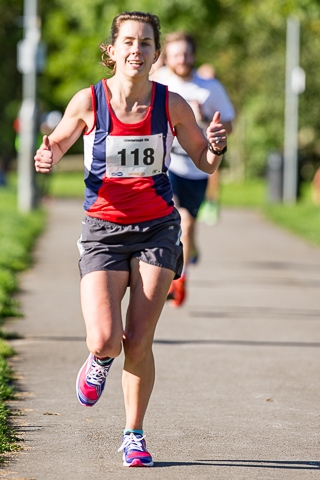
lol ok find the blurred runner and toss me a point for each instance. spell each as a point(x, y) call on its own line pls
point(205, 96)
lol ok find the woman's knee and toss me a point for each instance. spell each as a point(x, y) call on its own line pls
point(104, 346)
point(136, 348)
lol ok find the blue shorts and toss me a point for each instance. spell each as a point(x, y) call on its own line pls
point(188, 193)
point(105, 245)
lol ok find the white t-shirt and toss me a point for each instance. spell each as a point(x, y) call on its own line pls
point(212, 97)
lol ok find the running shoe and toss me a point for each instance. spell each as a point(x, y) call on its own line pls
point(209, 213)
point(135, 452)
point(179, 291)
point(91, 380)
point(194, 258)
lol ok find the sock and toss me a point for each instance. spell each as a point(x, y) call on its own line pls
point(103, 361)
point(127, 431)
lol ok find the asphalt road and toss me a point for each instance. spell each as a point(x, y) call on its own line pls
point(237, 388)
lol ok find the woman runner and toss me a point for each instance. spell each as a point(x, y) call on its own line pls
point(131, 229)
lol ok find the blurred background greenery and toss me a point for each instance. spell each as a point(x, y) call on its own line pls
point(244, 40)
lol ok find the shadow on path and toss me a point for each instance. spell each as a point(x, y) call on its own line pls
point(271, 464)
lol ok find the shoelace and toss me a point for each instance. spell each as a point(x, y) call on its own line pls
point(97, 373)
point(134, 442)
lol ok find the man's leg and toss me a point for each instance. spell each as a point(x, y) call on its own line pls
point(188, 227)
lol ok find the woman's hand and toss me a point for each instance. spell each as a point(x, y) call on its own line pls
point(216, 133)
point(43, 159)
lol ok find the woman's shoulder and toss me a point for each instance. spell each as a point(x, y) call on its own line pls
point(82, 100)
point(179, 109)
point(83, 95)
point(177, 101)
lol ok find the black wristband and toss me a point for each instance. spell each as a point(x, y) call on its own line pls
point(216, 152)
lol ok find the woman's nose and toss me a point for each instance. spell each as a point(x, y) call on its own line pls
point(136, 46)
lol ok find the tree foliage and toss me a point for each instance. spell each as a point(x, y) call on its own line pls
point(244, 40)
point(10, 82)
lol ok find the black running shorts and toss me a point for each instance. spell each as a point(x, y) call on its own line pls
point(188, 193)
point(105, 245)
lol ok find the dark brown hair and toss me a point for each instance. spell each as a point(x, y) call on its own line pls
point(143, 17)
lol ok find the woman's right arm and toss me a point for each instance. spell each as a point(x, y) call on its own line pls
point(78, 117)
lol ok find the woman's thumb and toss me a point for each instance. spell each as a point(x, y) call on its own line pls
point(46, 142)
point(216, 117)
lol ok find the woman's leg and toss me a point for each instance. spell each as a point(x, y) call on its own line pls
point(101, 295)
point(149, 287)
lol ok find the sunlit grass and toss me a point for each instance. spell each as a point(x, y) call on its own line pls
point(252, 193)
point(18, 235)
point(301, 218)
point(66, 184)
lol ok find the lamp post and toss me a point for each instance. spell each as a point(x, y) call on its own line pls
point(295, 84)
point(30, 60)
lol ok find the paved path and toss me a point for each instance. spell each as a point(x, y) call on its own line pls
point(237, 388)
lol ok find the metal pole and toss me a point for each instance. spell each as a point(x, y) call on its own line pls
point(290, 177)
point(27, 64)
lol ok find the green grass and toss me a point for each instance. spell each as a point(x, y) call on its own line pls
point(66, 184)
point(19, 232)
point(247, 194)
point(301, 218)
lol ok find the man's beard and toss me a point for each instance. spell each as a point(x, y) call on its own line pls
point(184, 71)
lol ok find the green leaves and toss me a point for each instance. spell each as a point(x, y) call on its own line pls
point(244, 40)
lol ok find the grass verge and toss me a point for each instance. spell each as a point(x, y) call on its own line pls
point(301, 218)
point(19, 232)
point(66, 184)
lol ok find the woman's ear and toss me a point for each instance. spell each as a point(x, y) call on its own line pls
point(156, 56)
point(110, 50)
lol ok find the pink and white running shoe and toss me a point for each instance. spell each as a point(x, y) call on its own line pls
point(135, 452)
point(91, 380)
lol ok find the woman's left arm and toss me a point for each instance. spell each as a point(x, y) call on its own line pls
point(192, 139)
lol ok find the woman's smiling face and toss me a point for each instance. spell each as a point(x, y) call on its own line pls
point(134, 49)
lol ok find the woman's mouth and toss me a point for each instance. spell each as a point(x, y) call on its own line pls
point(135, 63)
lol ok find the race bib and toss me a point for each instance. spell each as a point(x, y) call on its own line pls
point(134, 156)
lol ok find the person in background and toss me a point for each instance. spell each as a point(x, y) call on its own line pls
point(207, 71)
point(205, 97)
point(209, 210)
point(131, 230)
